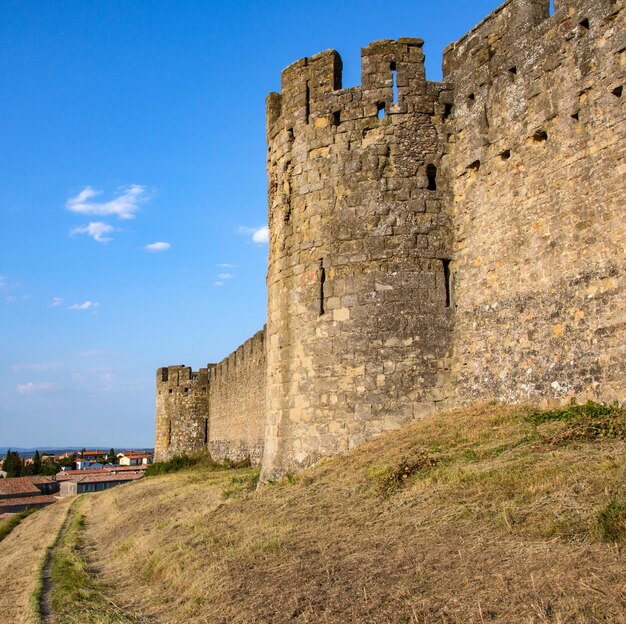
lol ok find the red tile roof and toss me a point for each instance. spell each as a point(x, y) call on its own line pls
point(26, 500)
point(22, 485)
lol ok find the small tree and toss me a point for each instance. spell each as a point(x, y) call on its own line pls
point(111, 459)
point(36, 463)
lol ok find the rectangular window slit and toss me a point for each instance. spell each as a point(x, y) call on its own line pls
point(206, 430)
point(551, 7)
point(336, 118)
point(307, 106)
point(446, 277)
point(169, 434)
point(447, 110)
point(322, 281)
point(381, 110)
point(431, 174)
point(394, 81)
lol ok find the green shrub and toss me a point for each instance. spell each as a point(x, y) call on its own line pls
point(8, 525)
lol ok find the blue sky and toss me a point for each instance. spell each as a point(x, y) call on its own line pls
point(133, 190)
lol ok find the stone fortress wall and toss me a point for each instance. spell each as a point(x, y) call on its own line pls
point(431, 244)
point(220, 408)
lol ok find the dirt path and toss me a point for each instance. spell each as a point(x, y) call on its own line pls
point(45, 600)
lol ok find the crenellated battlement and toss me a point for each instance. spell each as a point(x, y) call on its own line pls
point(392, 78)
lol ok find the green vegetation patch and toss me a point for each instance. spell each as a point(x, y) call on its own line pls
point(611, 521)
point(199, 460)
point(8, 525)
point(591, 421)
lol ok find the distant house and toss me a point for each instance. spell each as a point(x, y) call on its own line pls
point(94, 455)
point(82, 464)
point(22, 493)
point(134, 459)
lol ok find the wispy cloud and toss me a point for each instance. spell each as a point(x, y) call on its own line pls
point(225, 265)
point(218, 283)
point(159, 246)
point(37, 388)
point(124, 206)
point(86, 305)
point(225, 276)
point(97, 230)
point(260, 235)
point(18, 368)
point(56, 302)
point(3, 282)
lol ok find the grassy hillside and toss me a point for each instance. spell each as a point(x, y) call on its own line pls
point(482, 515)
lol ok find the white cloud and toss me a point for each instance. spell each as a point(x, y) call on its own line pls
point(225, 265)
point(218, 283)
point(18, 368)
point(225, 276)
point(56, 301)
point(3, 282)
point(159, 246)
point(96, 230)
point(124, 206)
point(86, 305)
point(35, 388)
point(260, 235)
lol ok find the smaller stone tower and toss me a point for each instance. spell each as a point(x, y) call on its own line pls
point(182, 423)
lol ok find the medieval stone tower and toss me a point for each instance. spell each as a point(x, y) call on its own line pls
point(432, 244)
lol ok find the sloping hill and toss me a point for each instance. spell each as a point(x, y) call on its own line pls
point(481, 515)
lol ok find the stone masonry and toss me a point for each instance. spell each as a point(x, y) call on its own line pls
point(431, 244)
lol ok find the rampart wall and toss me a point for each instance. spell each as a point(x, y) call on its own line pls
point(536, 164)
point(220, 408)
point(431, 244)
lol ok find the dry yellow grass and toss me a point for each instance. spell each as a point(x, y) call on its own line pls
point(21, 555)
point(499, 527)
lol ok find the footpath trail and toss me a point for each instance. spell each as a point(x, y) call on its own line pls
point(24, 549)
point(46, 611)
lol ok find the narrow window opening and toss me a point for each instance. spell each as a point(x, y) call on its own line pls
point(505, 155)
point(540, 136)
point(307, 106)
point(335, 120)
point(513, 71)
point(447, 110)
point(169, 434)
point(576, 116)
point(287, 217)
point(394, 80)
point(169, 391)
point(322, 281)
point(471, 98)
point(290, 136)
point(381, 110)
point(585, 24)
point(446, 277)
point(206, 430)
point(431, 174)
point(551, 7)
point(618, 91)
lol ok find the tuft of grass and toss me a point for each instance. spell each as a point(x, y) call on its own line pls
point(8, 525)
point(240, 485)
point(394, 478)
point(611, 521)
